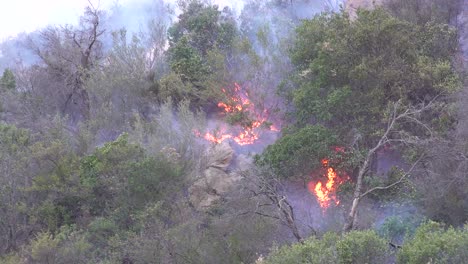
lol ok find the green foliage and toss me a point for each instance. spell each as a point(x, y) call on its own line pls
point(362, 247)
point(15, 174)
point(188, 63)
point(433, 243)
point(347, 72)
point(150, 178)
point(8, 81)
point(12, 139)
point(298, 152)
point(404, 191)
point(312, 251)
point(67, 246)
point(104, 173)
point(397, 228)
point(204, 27)
point(64, 200)
point(172, 87)
point(44, 248)
point(121, 178)
point(100, 230)
point(353, 247)
point(10, 259)
point(443, 188)
point(200, 42)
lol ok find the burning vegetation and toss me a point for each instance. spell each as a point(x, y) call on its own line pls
point(249, 120)
point(103, 158)
point(325, 191)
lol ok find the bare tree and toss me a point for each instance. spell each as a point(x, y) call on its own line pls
point(69, 54)
point(393, 134)
point(271, 200)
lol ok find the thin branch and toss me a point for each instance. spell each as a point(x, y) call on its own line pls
point(395, 183)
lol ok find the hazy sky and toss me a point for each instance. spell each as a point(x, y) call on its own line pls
point(18, 16)
point(27, 15)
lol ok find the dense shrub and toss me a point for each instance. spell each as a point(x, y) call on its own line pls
point(433, 243)
point(353, 247)
point(311, 251)
point(362, 247)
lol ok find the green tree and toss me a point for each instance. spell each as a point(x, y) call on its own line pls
point(8, 80)
point(348, 72)
point(433, 243)
point(67, 246)
point(298, 152)
point(374, 81)
point(121, 178)
point(69, 55)
point(200, 43)
point(14, 171)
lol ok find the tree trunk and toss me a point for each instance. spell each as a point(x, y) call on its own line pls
point(351, 219)
point(292, 223)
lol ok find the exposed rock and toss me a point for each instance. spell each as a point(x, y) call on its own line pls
point(215, 181)
point(201, 196)
point(220, 156)
point(351, 6)
point(243, 162)
point(219, 181)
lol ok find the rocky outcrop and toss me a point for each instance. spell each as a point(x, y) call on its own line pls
point(351, 6)
point(215, 180)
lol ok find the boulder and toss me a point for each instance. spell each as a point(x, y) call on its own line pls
point(215, 181)
point(220, 156)
point(351, 6)
point(219, 181)
point(201, 197)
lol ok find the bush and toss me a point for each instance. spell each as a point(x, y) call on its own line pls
point(433, 243)
point(298, 152)
point(397, 228)
point(44, 248)
point(100, 230)
point(67, 246)
point(10, 259)
point(353, 247)
point(312, 250)
point(362, 247)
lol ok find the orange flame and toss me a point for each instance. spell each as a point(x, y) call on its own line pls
point(247, 135)
point(326, 193)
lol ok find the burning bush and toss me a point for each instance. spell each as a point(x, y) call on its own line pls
point(248, 120)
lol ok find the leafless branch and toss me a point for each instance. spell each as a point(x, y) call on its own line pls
point(406, 174)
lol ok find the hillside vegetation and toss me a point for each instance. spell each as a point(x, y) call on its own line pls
point(285, 132)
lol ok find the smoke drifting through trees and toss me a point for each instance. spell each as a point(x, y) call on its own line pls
point(105, 148)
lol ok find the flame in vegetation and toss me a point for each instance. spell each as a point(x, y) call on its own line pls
point(246, 134)
point(326, 191)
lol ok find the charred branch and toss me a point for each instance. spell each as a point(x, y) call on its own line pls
point(391, 134)
point(270, 188)
point(69, 54)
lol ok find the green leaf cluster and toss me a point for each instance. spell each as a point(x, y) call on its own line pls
point(433, 243)
point(200, 41)
point(298, 152)
point(349, 71)
point(8, 80)
point(353, 247)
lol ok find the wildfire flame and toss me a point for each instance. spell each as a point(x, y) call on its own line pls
point(326, 192)
point(246, 134)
